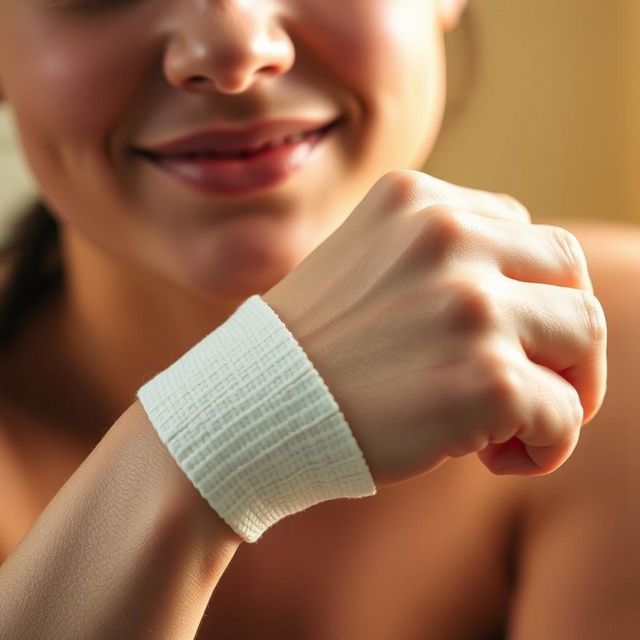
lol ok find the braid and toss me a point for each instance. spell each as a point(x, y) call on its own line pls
point(32, 268)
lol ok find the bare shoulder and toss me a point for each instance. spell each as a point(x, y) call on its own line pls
point(580, 562)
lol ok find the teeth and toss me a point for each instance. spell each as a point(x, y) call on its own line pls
point(246, 153)
point(296, 137)
point(268, 145)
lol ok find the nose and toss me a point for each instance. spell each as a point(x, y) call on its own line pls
point(225, 45)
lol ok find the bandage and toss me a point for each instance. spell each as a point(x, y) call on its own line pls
point(252, 424)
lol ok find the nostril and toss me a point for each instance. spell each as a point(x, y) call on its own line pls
point(270, 69)
point(229, 58)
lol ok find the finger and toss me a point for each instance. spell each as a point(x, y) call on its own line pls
point(486, 203)
point(559, 328)
point(537, 253)
point(531, 253)
point(411, 191)
point(564, 330)
point(548, 433)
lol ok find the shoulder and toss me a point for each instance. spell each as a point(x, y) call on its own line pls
point(580, 568)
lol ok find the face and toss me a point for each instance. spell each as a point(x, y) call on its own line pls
point(143, 122)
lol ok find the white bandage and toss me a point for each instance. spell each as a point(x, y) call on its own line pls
point(252, 424)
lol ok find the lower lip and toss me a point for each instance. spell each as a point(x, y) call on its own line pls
point(242, 176)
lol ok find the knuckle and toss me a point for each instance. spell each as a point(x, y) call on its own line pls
point(501, 386)
point(468, 442)
point(443, 229)
point(575, 411)
point(519, 210)
point(594, 316)
point(472, 306)
point(403, 186)
point(571, 253)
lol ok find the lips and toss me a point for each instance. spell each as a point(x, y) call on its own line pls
point(238, 143)
point(239, 161)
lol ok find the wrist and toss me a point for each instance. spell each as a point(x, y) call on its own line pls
point(251, 423)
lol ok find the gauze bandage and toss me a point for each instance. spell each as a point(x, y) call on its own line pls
point(252, 424)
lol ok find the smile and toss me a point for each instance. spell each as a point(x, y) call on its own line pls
point(224, 163)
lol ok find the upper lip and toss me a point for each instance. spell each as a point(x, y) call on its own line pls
point(236, 139)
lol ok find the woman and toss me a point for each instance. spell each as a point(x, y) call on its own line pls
point(197, 153)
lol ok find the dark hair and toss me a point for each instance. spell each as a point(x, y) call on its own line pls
point(31, 267)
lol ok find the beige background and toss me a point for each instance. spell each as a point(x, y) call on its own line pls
point(552, 114)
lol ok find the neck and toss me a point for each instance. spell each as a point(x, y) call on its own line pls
point(113, 328)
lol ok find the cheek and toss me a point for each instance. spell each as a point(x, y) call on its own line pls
point(389, 53)
point(69, 88)
point(66, 85)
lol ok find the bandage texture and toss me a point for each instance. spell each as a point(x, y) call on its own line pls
point(252, 424)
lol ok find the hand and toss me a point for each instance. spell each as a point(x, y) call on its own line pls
point(444, 323)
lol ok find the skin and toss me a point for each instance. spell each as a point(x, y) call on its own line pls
point(133, 235)
point(144, 254)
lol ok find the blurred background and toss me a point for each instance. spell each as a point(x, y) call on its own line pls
point(544, 105)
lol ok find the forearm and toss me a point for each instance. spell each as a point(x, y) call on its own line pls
point(127, 548)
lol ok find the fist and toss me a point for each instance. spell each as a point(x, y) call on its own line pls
point(445, 323)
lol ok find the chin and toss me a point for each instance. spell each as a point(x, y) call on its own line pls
point(243, 255)
point(237, 275)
